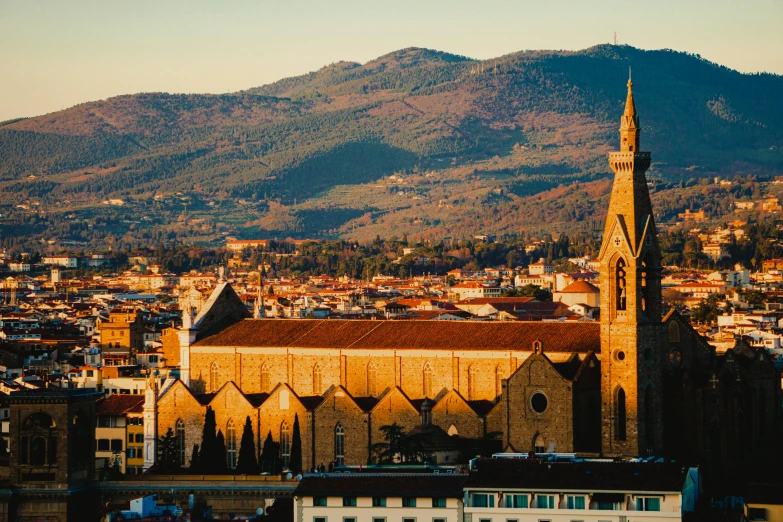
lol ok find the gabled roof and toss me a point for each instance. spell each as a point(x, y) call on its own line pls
point(116, 404)
point(579, 337)
point(588, 476)
point(396, 390)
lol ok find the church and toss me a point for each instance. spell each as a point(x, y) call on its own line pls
point(637, 383)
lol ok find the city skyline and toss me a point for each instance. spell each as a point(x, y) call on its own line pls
point(57, 55)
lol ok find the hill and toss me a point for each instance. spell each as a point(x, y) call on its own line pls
point(416, 141)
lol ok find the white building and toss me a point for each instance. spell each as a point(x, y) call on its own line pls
point(513, 488)
point(376, 497)
point(66, 261)
point(540, 268)
point(534, 490)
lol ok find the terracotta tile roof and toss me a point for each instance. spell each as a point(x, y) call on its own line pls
point(586, 476)
point(391, 484)
point(493, 300)
point(116, 404)
point(580, 337)
point(580, 287)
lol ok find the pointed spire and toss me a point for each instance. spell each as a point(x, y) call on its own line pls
point(629, 122)
point(630, 106)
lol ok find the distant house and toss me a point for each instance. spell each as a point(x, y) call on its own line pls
point(472, 290)
point(692, 216)
point(715, 251)
point(65, 261)
point(540, 268)
point(579, 292)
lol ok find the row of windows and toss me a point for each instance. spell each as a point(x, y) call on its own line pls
point(437, 502)
point(108, 444)
point(544, 501)
point(372, 377)
point(115, 445)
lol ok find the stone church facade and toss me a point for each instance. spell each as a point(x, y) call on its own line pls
point(637, 383)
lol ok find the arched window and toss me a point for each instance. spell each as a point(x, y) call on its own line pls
point(427, 380)
point(453, 431)
point(620, 415)
point(181, 441)
point(265, 378)
point(339, 445)
point(539, 444)
point(371, 377)
point(214, 375)
point(317, 388)
point(498, 381)
point(38, 451)
point(649, 418)
point(231, 444)
point(471, 383)
point(620, 287)
point(38, 443)
point(285, 444)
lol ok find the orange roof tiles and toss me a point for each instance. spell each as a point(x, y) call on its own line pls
point(579, 337)
point(580, 287)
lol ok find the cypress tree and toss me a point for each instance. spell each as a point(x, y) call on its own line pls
point(246, 463)
point(219, 464)
point(270, 454)
point(195, 464)
point(209, 447)
point(296, 448)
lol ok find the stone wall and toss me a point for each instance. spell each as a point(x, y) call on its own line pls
point(554, 423)
point(339, 407)
point(349, 369)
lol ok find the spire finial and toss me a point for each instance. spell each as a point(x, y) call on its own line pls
point(629, 123)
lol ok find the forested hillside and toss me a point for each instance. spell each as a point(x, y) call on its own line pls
point(417, 141)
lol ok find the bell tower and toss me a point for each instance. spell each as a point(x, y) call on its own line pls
point(631, 386)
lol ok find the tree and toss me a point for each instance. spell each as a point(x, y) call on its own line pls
point(220, 464)
point(538, 293)
point(211, 460)
point(296, 448)
point(168, 454)
point(194, 460)
point(270, 455)
point(247, 463)
point(394, 449)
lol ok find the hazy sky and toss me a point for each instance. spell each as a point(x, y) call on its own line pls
point(55, 54)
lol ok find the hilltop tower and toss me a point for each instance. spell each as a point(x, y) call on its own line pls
point(631, 386)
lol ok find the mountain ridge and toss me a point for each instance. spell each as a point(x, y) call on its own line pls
point(513, 125)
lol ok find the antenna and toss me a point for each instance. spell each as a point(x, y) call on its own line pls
point(629, 73)
point(615, 37)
